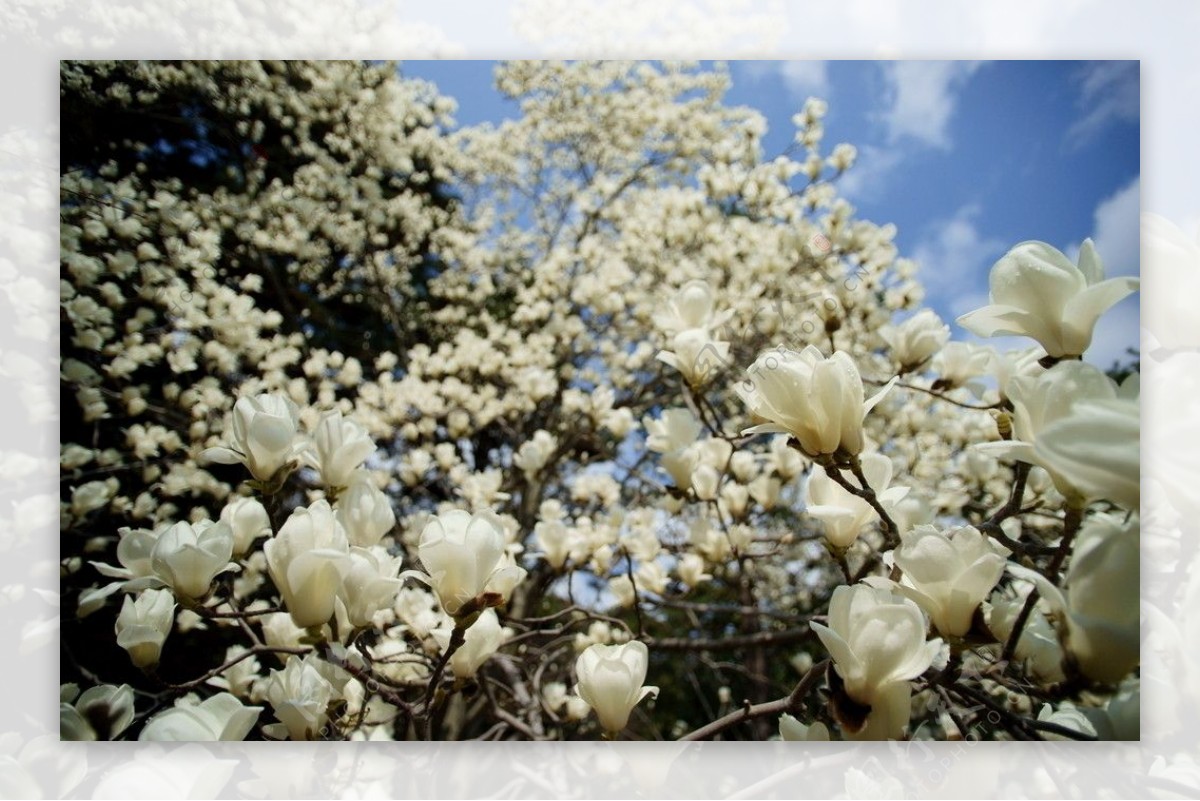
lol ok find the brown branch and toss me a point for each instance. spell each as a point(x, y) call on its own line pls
point(792, 703)
point(1071, 523)
point(785, 637)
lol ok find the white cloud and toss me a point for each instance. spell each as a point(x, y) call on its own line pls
point(866, 179)
point(1109, 91)
point(806, 77)
point(921, 97)
point(1116, 232)
point(802, 78)
point(955, 259)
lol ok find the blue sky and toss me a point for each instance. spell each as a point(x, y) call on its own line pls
point(966, 158)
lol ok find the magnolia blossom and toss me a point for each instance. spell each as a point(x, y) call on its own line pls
point(674, 431)
point(691, 570)
point(136, 572)
point(1039, 402)
point(556, 541)
point(1099, 611)
point(611, 679)
point(1097, 449)
point(917, 339)
point(696, 355)
point(844, 514)
point(364, 511)
point(464, 555)
point(1067, 715)
point(264, 435)
point(877, 641)
point(221, 717)
point(818, 401)
point(791, 729)
point(369, 584)
point(533, 455)
point(338, 447)
point(1038, 648)
point(248, 520)
point(958, 364)
point(187, 558)
point(143, 626)
point(307, 559)
point(692, 307)
point(1037, 292)
point(482, 639)
point(300, 696)
point(99, 713)
point(949, 574)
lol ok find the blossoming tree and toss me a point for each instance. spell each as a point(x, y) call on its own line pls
point(598, 422)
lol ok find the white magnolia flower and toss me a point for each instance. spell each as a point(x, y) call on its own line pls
point(1038, 649)
point(264, 435)
point(338, 448)
point(221, 717)
point(611, 679)
point(843, 156)
point(300, 696)
point(369, 585)
point(696, 355)
point(1096, 449)
point(917, 339)
point(1040, 402)
point(959, 364)
point(1121, 717)
point(1099, 610)
point(136, 572)
point(691, 307)
point(533, 455)
point(1068, 716)
point(99, 713)
point(675, 430)
point(556, 541)
point(877, 641)
point(464, 555)
point(844, 514)
point(187, 558)
point(483, 638)
point(248, 520)
point(818, 401)
point(691, 570)
point(364, 511)
point(143, 625)
point(1009, 364)
point(307, 559)
point(949, 574)
point(1037, 292)
point(791, 729)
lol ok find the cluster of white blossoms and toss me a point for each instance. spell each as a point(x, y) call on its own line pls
point(495, 432)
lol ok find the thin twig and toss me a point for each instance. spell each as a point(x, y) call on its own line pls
point(792, 703)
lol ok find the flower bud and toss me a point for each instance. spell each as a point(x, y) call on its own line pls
point(264, 435)
point(464, 557)
point(338, 448)
point(143, 626)
point(610, 681)
point(307, 559)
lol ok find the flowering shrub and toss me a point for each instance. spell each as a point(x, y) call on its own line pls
point(597, 422)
